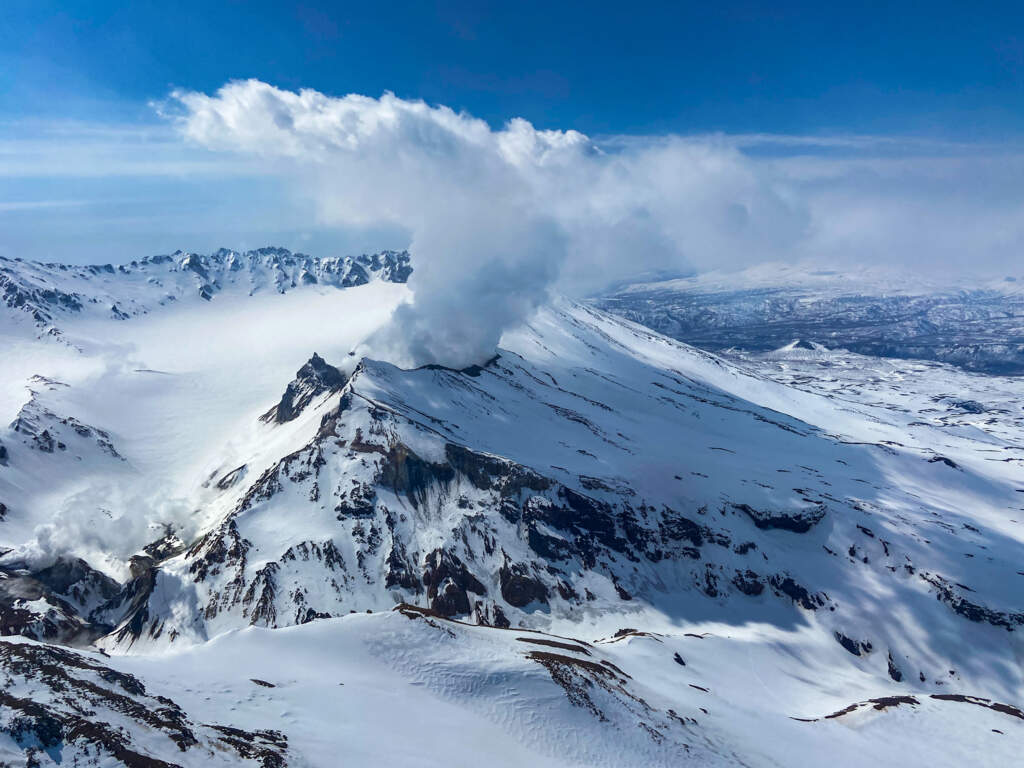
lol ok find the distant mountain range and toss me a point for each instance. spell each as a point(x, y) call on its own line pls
point(978, 326)
point(46, 293)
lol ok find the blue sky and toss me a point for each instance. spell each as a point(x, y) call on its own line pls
point(92, 169)
point(951, 69)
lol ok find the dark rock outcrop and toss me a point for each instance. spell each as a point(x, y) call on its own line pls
point(448, 582)
point(519, 588)
point(61, 703)
point(798, 522)
point(851, 645)
point(311, 380)
point(948, 593)
point(62, 603)
point(797, 593)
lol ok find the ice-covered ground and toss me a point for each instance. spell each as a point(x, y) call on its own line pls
point(708, 557)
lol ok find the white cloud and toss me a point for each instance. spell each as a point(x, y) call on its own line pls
point(497, 218)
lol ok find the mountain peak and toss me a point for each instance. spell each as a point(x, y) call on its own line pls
point(313, 379)
point(43, 293)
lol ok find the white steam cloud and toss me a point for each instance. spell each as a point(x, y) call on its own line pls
point(104, 524)
point(500, 218)
point(497, 218)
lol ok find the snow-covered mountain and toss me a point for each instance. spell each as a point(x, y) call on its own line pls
point(976, 325)
point(600, 547)
point(47, 294)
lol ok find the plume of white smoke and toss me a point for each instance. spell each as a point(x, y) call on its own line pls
point(497, 218)
point(104, 524)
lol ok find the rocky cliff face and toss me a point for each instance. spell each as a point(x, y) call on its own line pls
point(57, 705)
point(313, 379)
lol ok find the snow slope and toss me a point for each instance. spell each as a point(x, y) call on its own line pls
point(407, 688)
point(601, 547)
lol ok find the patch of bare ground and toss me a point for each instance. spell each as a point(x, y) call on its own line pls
point(885, 702)
point(555, 644)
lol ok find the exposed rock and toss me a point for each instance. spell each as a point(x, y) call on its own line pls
point(447, 582)
point(797, 522)
point(679, 528)
point(880, 704)
point(854, 647)
point(314, 378)
point(968, 406)
point(45, 431)
point(165, 547)
point(231, 478)
point(62, 603)
point(406, 473)
point(357, 501)
point(62, 703)
point(894, 671)
point(519, 588)
point(797, 593)
point(947, 593)
point(1006, 709)
point(748, 582)
point(45, 292)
